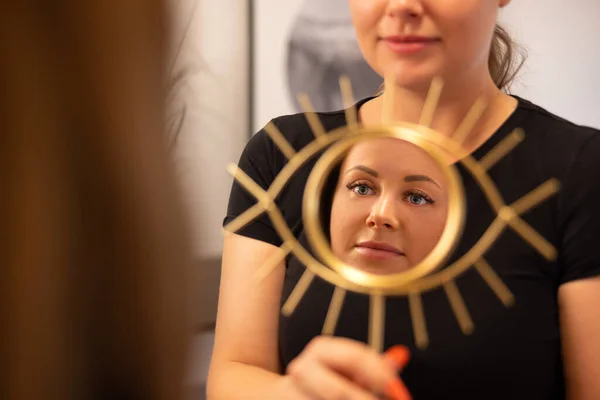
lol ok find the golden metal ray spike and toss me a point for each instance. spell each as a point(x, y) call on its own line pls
point(531, 236)
point(502, 149)
point(272, 263)
point(377, 323)
point(389, 100)
point(301, 287)
point(348, 101)
point(494, 282)
point(263, 197)
point(468, 124)
point(458, 306)
point(431, 103)
point(280, 141)
point(313, 119)
point(536, 196)
point(335, 308)
point(245, 218)
point(418, 320)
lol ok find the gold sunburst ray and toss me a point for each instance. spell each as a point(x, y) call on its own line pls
point(348, 101)
point(502, 149)
point(470, 121)
point(458, 307)
point(418, 320)
point(244, 219)
point(389, 100)
point(251, 186)
point(377, 322)
point(311, 116)
point(272, 263)
point(280, 141)
point(431, 102)
point(531, 236)
point(299, 290)
point(333, 313)
point(511, 216)
point(536, 196)
point(494, 282)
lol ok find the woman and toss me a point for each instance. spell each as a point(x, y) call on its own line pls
point(544, 347)
point(94, 253)
point(386, 215)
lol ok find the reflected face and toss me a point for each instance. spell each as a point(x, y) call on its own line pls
point(389, 207)
point(415, 40)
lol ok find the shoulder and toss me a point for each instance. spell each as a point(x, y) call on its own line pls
point(295, 129)
point(553, 130)
point(558, 147)
point(262, 158)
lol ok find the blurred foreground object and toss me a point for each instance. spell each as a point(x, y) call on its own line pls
point(93, 250)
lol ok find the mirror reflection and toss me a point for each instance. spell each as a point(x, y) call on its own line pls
point(387, 206)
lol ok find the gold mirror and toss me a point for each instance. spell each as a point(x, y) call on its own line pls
point(427, 270)
point(395, 211)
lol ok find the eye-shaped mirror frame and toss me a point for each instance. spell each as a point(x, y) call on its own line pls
point(384, 284)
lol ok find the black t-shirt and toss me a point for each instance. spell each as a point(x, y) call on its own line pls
point(514, 352)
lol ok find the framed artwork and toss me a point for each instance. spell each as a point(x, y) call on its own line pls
point(303, 46)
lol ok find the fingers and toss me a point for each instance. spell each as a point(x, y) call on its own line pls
point(355, 360)
point(319, 382)
point(350, 368)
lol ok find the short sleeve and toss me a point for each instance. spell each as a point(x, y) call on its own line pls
point(258, 163)
point(579, 215)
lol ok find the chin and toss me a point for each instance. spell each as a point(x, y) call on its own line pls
point(382, 268)
point(413, 76)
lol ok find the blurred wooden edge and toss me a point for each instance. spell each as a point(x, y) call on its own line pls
point(205, 294)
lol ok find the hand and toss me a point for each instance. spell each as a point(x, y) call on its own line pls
point(332, 368)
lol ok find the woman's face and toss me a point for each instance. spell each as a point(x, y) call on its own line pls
point(389, 207)
point(415, 40)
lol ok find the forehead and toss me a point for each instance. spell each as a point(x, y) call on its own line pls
point(389, 156)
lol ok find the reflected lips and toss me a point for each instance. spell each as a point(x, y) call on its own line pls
point(408, 44)
point(378, 250)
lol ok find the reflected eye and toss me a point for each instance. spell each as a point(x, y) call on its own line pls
point(418, 198)
point(361, 189)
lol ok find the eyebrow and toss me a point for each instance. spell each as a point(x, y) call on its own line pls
point(408, 178)
point(364, 169)
point(420, 178)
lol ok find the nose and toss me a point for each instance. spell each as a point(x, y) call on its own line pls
point(405, 9)
point(383, 214)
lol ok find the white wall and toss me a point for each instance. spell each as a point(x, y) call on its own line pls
point(563, 41)
point(217, 128)
point(275, 18)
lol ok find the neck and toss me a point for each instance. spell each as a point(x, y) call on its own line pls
point(454, 104)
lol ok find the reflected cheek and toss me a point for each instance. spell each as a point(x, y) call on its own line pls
point(424, 232)
point(344, 229)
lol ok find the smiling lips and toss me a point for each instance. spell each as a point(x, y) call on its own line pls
point(378, 250)
point(408, 44)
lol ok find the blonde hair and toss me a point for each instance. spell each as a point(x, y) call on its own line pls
point(506, 58)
